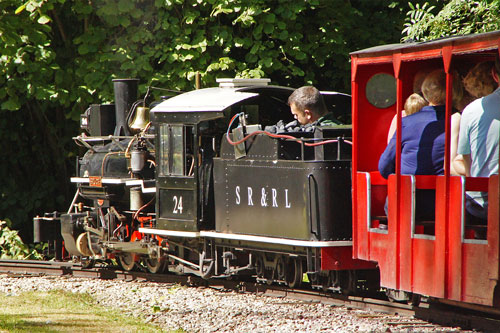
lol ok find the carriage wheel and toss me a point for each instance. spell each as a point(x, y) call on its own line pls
point(324, 281)
point(348, 282)
point(333, 279)
point(415, 300)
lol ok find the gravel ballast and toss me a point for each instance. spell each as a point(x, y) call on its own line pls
point(193, 309)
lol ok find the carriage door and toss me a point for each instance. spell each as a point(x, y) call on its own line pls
point(176, 195)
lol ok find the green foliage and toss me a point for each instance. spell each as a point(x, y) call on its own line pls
point(12, 246)
point(457, 17)
point(59, 56)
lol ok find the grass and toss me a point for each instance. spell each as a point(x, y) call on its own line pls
point(59, 311)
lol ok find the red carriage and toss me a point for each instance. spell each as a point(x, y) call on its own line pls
point(442, 258)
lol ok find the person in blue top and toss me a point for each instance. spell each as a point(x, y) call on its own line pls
point(423, 137)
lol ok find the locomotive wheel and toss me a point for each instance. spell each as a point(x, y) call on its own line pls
point(155, 266)
point(126, 261)
point(87, 263)
point(82, 244)
point(294, 274)
point(259, 266)
point(280, 268)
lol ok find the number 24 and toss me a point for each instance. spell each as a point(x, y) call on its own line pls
point(177, 205)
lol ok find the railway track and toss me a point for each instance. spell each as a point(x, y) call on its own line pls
point(414, 317)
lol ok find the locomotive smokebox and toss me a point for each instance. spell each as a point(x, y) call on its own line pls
point(125, 96)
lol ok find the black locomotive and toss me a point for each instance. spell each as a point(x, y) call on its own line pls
point(192, 192)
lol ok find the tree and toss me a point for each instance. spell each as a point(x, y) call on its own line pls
point(59, 56)
point(457, 17)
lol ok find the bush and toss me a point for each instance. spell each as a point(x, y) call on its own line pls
point(59, 56)
point(12, 246)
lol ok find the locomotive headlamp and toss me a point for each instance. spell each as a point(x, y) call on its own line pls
point(84, 120)
point(98, 119)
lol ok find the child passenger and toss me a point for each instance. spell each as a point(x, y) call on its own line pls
point(413, 104)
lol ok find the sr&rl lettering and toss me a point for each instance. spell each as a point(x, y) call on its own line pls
point(267, 199)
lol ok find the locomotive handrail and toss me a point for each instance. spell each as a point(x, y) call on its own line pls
point(287, 138)
point(80, 142)
point(101, 138)
point(302, 141)
point(109, 137)
point(85, 140)
point(313, 218)
point(278, 136)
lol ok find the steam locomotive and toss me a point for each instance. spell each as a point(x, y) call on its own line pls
point(183, 188)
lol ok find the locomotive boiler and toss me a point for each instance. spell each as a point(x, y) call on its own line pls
point(112, 180)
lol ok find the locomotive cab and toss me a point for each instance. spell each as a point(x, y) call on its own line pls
point(190, 128)
point(250, 187)
point(245, 199)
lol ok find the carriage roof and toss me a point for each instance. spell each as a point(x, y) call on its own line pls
point(430, 49)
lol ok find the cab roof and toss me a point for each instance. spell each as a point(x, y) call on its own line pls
point(201, 100)
point(218, 99)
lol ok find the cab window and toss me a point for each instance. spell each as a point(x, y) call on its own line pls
point(175, 151)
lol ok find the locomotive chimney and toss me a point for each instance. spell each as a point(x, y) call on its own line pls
point(125, 96)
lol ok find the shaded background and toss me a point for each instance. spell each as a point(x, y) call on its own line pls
point(59, 56)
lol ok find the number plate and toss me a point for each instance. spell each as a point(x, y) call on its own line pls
point(177, 204)
point(95, 181)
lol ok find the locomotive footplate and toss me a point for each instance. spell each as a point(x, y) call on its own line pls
point(275, 240)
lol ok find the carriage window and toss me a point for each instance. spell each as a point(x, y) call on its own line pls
point(381, 90)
